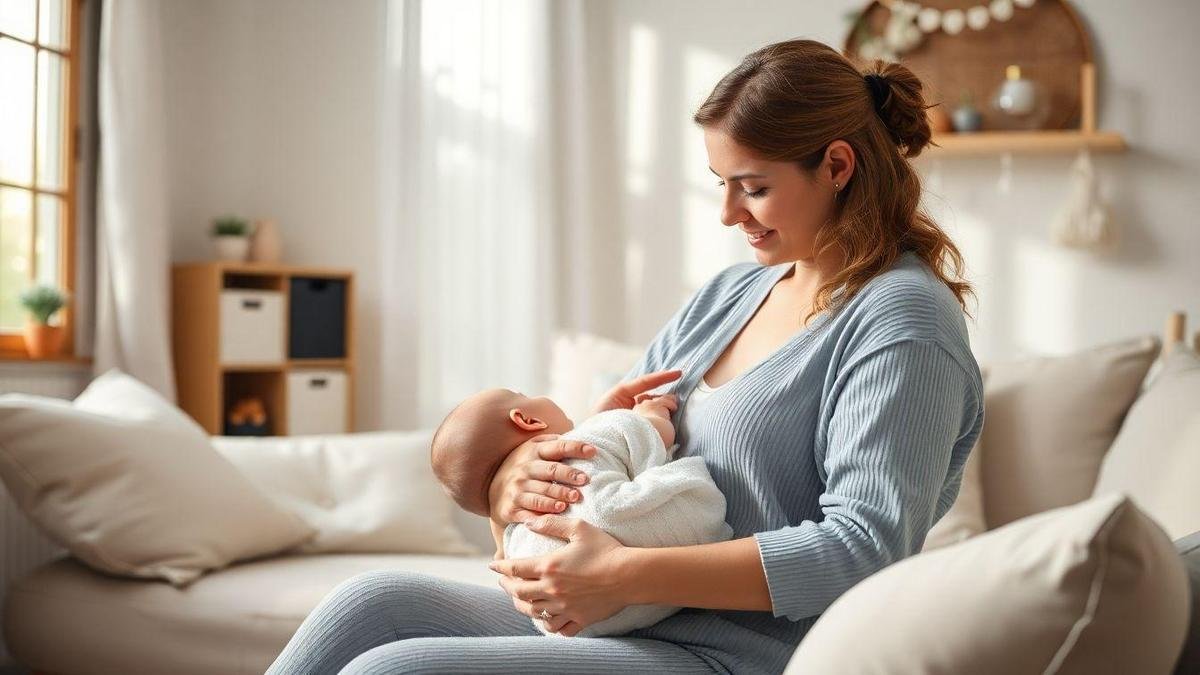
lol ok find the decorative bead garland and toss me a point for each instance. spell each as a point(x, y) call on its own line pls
point(909, 21)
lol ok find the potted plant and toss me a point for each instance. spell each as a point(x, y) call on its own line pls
point(231, 237)
point(42, 301)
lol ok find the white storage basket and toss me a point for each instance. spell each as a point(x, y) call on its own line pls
point(251, 326)
point(316, 402)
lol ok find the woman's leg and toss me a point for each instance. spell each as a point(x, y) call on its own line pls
point(396, 621)
point(383, 606)
point(525, 654)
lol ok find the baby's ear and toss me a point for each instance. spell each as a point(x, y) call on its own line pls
point(525, 422)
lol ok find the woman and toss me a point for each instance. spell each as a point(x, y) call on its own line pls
point(830, 388)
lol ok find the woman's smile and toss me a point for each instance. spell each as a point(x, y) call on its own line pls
point(760, 238)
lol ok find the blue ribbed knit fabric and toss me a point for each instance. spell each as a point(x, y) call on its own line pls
point(837, 453)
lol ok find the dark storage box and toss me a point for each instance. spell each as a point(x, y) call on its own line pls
point(317, 318)
point(247, 429)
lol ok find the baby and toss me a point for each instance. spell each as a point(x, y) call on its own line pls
point(635, 492)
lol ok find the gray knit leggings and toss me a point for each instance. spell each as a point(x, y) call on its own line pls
point(395, 621)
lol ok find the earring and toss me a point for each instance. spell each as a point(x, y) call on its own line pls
point(836, 187)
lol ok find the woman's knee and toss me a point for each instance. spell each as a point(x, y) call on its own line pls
point(403, 596)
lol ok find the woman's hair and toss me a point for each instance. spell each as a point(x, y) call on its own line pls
point(789, 100)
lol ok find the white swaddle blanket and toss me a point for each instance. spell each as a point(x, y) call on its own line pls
point(638, 495)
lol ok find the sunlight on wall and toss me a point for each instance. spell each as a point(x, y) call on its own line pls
point(1045, 286)
point(642, 108)
point(975, 239)
point(708, 246)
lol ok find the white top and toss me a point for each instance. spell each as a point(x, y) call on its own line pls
point(696, 400)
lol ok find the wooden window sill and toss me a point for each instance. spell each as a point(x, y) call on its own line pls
point(22, 357)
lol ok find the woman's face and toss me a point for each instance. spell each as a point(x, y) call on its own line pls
point(777, 205)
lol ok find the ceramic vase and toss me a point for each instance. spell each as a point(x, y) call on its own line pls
point(266, 246)
point(230, 247)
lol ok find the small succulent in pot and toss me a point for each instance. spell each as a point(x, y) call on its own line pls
point(43, 301)
point(231, 237)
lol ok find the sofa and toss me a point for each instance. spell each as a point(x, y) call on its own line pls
point(1061, 473)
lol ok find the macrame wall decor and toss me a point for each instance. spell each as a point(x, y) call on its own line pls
point(910, 21)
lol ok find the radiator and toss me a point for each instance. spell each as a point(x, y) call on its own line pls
point(22, 546)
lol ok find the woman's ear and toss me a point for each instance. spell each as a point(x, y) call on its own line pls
point(840, 157)
point(525, 422)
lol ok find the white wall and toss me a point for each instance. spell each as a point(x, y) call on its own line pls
point(1034, 297)
point(274, 111)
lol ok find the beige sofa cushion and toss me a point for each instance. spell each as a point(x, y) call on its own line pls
point(1050, 420)
point(64, 618)
point(583, 367)
point(1156, 457)
point(364, 492)
point(1092, 588)
point(131, 485)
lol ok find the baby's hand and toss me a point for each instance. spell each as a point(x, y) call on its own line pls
point(658, 408)
point(656, 405)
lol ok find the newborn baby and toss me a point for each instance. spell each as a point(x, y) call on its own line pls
point(636, 492)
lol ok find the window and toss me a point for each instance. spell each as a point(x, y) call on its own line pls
point(39, 46)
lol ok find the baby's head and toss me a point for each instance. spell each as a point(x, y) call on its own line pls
point(475, 438)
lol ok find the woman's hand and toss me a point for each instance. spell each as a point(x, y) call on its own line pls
point(532, 480)
point(579, 584)
point(626, 394)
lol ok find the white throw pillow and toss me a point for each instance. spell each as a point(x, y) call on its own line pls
point(584, 367)
point(368, 492)
point(1156, 457)
point(130, 485)
point(1096, 587)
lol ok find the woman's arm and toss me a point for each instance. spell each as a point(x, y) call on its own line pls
point(892, 430)
point(722, 575)
point(889, 448)
point(895, 417)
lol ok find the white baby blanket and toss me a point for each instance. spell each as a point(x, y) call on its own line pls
point(638, 495)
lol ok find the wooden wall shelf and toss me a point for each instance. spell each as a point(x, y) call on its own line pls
point(1025, 142)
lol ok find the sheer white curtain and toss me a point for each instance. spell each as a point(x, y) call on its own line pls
point(132, 228)
point(471, 225)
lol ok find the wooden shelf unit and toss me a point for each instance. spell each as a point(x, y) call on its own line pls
point(205, 387)
point(1025, 142)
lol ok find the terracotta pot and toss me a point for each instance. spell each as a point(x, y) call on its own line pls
point(42, 341)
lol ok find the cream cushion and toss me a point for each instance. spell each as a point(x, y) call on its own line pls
point(64, 618)
point(1092, 588)
point(583, 367)
point(1156, 457)
point(1050, 421)
point(130, 485)
point(368, 492)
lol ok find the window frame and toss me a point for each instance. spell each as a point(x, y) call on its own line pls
point(12, 343)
